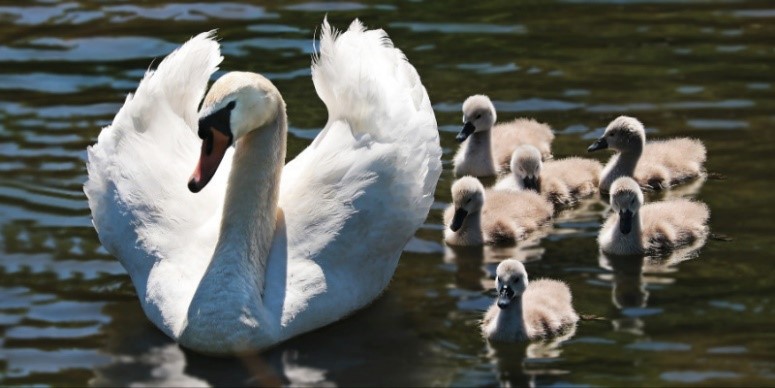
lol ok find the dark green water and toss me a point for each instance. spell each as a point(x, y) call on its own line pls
point(69, 315)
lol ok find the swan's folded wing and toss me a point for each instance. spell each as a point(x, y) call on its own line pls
point(359, 192)
point(139, 167)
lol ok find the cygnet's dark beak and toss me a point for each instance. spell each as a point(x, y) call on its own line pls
point(599, 144)
point(467, 130)
point(457, 220)
point(625, 221)
point(505, 296)
point(532, 183)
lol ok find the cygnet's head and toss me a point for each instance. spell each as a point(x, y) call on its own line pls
point(626, 199)
point(623, 134)
point(526, 166)
point(510, 281)
point(478, 115)
point(467, 197)
point(236, 104)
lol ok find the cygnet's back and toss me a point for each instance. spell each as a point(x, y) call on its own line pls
point(509, 135)
point(508, 217)
point(565, 181)
point(548, 308)
point(668, 225)
point(666, 163)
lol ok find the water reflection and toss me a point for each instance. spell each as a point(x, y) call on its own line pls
point(356, 350)
point(631, 277)
point(475, 265)
point(521, 364)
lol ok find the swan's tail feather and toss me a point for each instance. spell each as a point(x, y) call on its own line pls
point(362, 69)
point(368, 83)
point(153, 128)
point(180, 80)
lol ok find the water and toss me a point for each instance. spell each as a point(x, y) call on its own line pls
point(69, 315)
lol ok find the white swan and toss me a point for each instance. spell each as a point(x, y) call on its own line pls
point(264, 252)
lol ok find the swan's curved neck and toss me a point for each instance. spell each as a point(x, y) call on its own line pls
point(250, 207)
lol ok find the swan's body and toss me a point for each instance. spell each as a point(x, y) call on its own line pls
point(486, 147)
point(264, 252)
point(654, 165)
point(478, 216)
point(563, 181)
point(656, 228)
point(541, 309)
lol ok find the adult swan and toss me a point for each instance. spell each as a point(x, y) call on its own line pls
point(262, 253)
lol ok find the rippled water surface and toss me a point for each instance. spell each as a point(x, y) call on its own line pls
point(69, 314)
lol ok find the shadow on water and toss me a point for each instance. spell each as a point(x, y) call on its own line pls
point(345, 350)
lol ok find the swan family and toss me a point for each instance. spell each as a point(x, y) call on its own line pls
point(231, 250)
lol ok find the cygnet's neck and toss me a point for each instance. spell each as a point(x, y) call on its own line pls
point(471, 229)
point(630, 243)
point(479, 152)
point(518, 181)
point(625, 164)
point(511, 321)
point(250, 207)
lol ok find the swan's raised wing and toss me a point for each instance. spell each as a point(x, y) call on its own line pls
point(359, 192)
point(139, 168)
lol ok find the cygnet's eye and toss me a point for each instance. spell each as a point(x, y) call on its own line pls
point(632, 202)
point(469, 199)
point(479, 116)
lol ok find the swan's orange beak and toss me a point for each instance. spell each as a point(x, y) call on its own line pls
point(214, 145)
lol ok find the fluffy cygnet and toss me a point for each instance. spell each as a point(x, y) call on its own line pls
point(656, 164)
point(478, 216)
point(656, 228)
point(541, 309)
point(563, 181)
point(487, 147)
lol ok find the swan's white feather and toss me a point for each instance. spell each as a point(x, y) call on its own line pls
point(351, 200)
point(138, 170)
